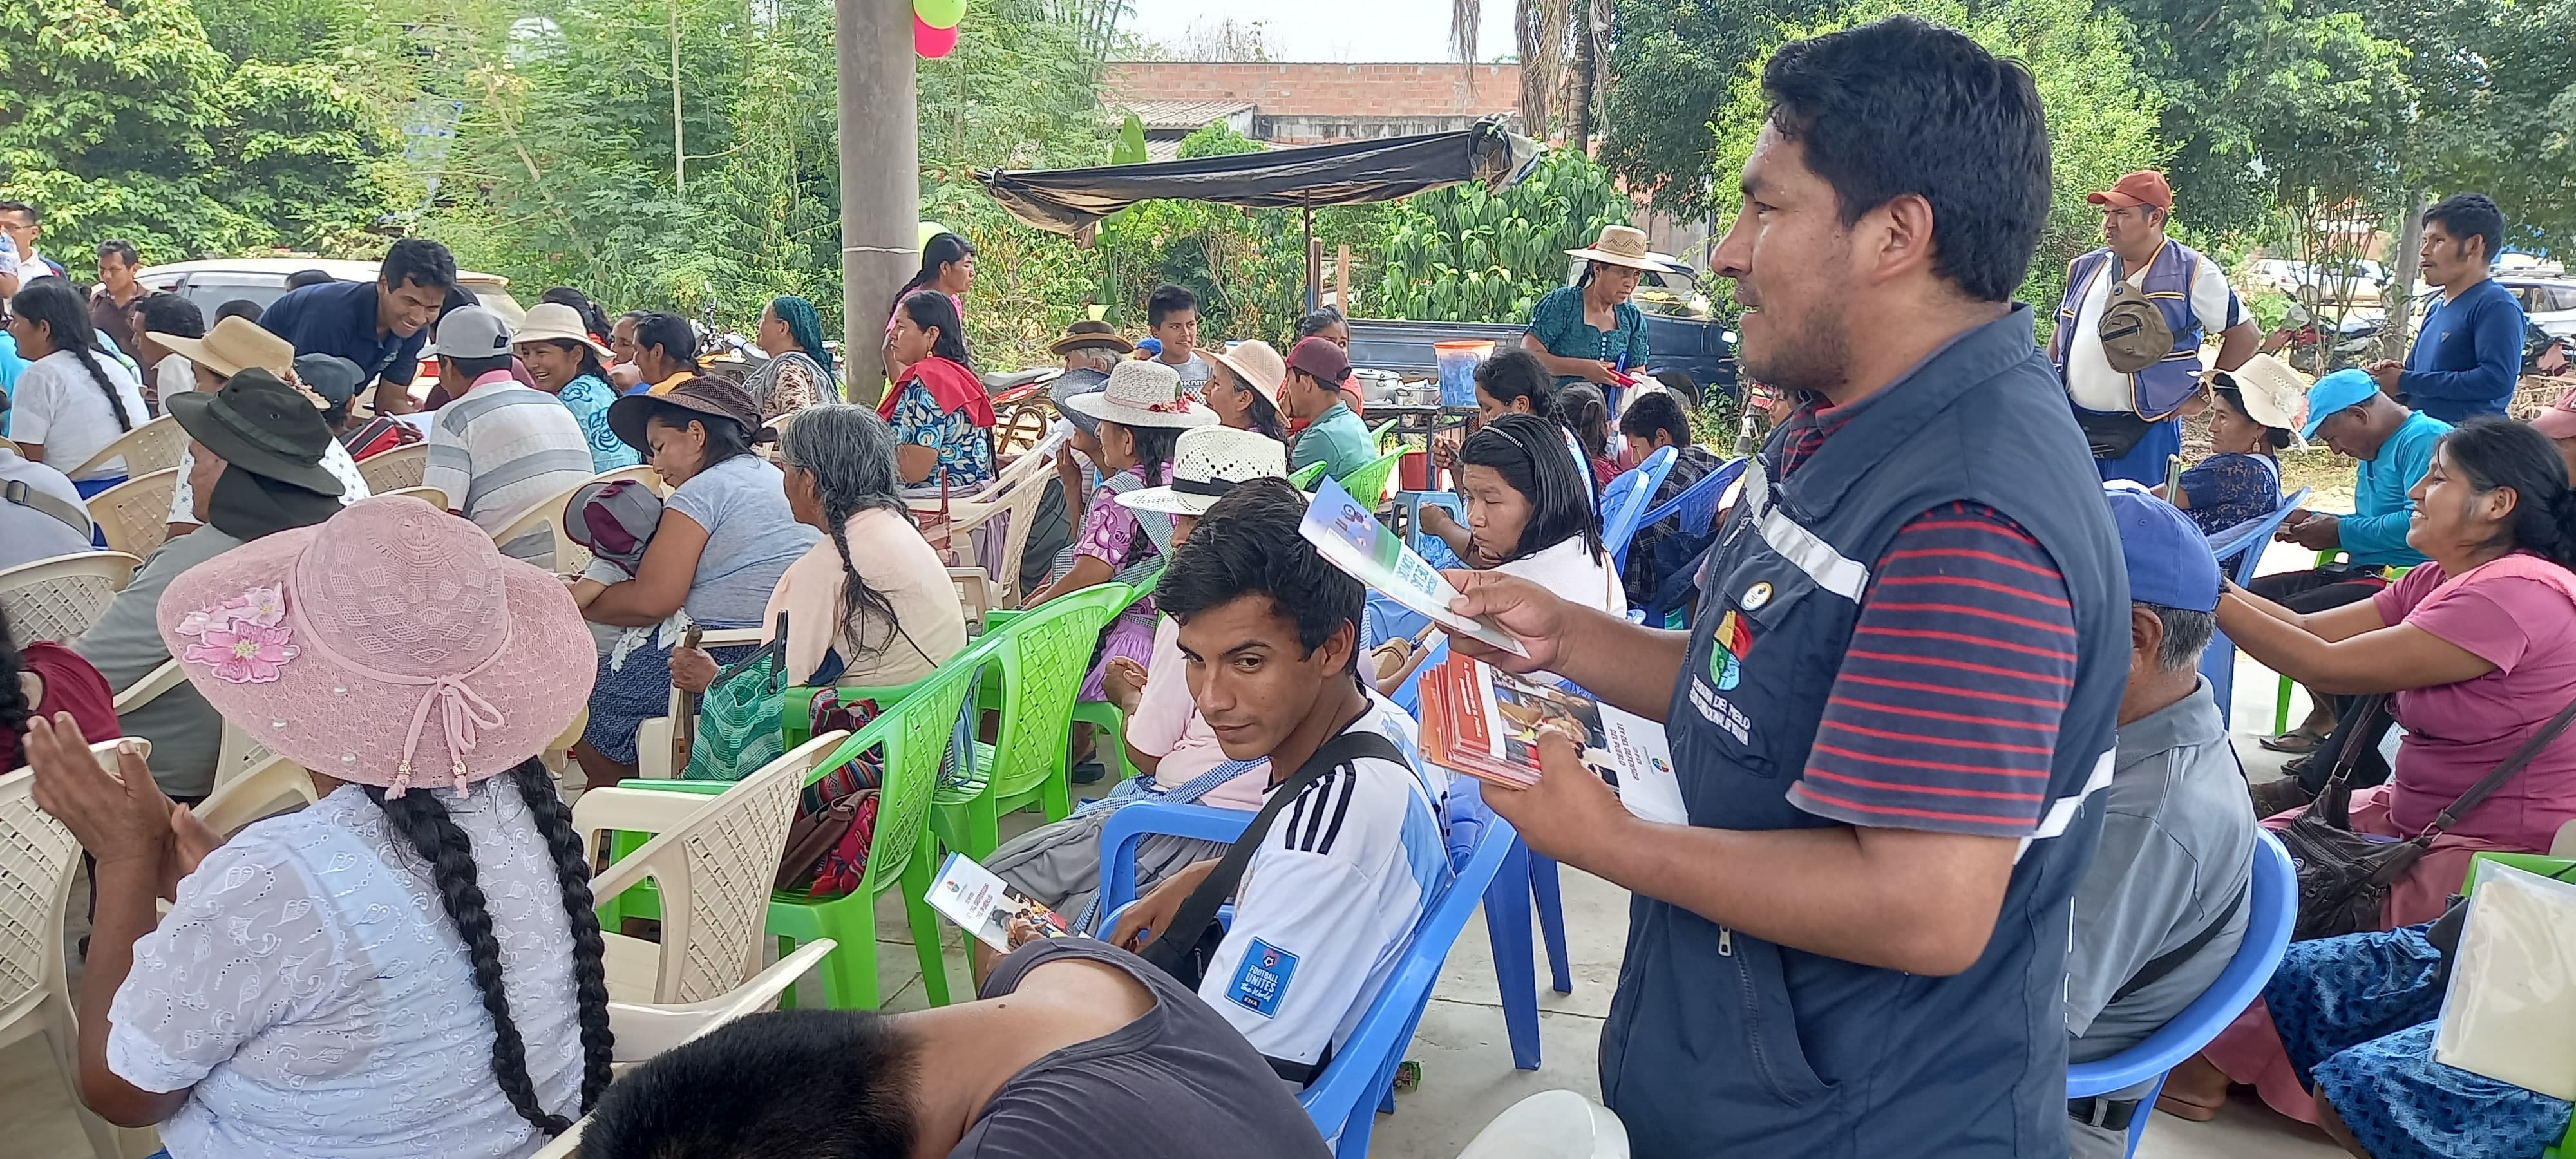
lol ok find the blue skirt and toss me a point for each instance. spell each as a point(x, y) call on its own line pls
point(2356, 1016)
point(624, 698)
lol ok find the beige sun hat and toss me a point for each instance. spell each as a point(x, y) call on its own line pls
point(556, 322)
point(1618, 245)
point(1207, 462)
point(235, 344)
point(1256, 362)
point(1144, 394)
point(2275, 395)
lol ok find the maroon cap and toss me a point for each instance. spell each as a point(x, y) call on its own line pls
point(2144, 187)
point(1320, 357)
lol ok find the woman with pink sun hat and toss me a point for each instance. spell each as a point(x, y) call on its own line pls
point(410, 965)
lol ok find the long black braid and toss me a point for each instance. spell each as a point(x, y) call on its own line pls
point(14, 707)
point(422, 819)
point(848, 452)
point(52, 303)
point(1154, 449)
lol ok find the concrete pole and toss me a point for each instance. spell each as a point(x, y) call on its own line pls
point(880, 179)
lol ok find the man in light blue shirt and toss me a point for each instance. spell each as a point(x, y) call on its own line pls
point(1333, 436)
point(2394, 445)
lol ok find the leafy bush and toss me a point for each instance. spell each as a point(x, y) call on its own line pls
point(1465, 254)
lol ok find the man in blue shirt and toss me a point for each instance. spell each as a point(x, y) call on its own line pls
point(380, 325)
point(2468, 354)
point(2393, 446)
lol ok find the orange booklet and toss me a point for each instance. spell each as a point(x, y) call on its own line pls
point(1483, 722)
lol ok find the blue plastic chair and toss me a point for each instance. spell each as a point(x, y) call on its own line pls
point(1411, 504)
point(1624, 501)
point(1695, 506)
point(2218, 661)
point(2274, 907)
point(1358, 1082)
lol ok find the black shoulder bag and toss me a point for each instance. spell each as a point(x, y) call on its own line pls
point(1184, 949)
point(2344, 876)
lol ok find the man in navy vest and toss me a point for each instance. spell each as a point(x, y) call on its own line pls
point(1910, 648)
point(2130, 411)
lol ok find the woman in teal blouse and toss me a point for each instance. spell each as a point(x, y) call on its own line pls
point(1580, 332)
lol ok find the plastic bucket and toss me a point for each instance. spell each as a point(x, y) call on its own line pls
point(1411, 471)
point(1458, 359)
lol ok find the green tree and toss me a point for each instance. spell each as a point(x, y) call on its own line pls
point(121, 120)
point(2101, 124)
point(1677, 62)
point(1468, 254)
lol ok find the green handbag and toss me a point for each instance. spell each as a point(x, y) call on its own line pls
point(737, 719)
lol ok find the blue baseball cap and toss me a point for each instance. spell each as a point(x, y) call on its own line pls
point(1153, 346)
point(2167, 556)
point(2335, 392)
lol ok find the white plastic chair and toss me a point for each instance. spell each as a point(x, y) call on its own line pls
point(1551, 1125)
point(38, 858)
point(643, 1031)
point(59, 598)
point(153, 446)
point(134, 516)
point(548, 513)
point(974, 595)
point(395, 469)
point(430, 495)
point(1017, 500)
point(250, 781)
point(712, 861)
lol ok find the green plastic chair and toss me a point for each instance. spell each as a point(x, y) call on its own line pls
point(2546, 866)
point(1380, 433)
point(1368, 483)
point(914, 733)
point(1108, 725)
point(1304, 477)
point(1038, 662)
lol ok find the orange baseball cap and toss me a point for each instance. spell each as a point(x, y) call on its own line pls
point(2144, 187)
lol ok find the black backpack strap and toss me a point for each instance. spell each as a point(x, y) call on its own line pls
point(1198, 911)
point(2172, 960)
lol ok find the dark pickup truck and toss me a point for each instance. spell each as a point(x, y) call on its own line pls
point(1700, 353)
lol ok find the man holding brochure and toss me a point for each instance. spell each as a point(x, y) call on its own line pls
point(1901, 685)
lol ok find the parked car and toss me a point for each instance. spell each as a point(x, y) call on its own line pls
point(2361, 280)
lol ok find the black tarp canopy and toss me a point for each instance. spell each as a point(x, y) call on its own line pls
point(1072, 201)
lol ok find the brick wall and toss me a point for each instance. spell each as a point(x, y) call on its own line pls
point(1324, 90)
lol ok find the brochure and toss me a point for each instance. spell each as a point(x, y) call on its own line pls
point(1484, 722)
point(1350, 536)
point(981, 904)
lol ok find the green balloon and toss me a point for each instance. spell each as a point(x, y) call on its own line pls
point(940, 13)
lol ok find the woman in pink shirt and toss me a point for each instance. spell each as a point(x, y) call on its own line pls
point(2478, 649)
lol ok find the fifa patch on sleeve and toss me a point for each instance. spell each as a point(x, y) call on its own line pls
point(1262, 979)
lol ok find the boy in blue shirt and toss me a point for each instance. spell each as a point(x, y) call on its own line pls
point(2468, 354)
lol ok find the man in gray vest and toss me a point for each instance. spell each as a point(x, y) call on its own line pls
point(2130, 327)
point(1899, 691)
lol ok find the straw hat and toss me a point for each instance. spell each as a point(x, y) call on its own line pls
point(1256, 362)
point(556, 322)
point(234, 345)
point(390, 645)
point(1091, 332)
point(2275, 395)
point(1207, 462)
point(1618, 245)
point(1143, 394)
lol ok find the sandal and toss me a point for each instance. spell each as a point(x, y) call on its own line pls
point(2182, 1108)
point(2279, 796)
point(2300, 740)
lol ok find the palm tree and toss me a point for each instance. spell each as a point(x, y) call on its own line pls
point(1542, 30)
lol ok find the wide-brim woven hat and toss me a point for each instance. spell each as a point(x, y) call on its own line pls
point(1143, 394)
point(389, 645)
point(705, 395)
point(1207, 463)
point(2275, 395)
point(1256, 362)
point(235, 344)
point(1091, 332)
point(556, 322)
point(1619, 245)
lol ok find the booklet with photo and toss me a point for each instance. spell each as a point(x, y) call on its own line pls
point(981, 904)
point(1484, 722)
point(1350, 536)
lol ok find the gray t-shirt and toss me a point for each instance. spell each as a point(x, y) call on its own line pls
point(1194, 373)
point(28, 535)
point(1177, 1083)
point(2176, 848)
point(125, 646)
point(751, 538)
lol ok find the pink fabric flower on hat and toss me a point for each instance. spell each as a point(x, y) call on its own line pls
point(244, 639)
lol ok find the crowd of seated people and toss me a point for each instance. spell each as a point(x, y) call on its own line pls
point(1249, 655)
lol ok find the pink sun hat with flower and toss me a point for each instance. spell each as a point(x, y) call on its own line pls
point(389, 645)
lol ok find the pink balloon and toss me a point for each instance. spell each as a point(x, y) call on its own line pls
point(932, 43)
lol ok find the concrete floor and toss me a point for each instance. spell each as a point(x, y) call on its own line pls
point(1467, 1075)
